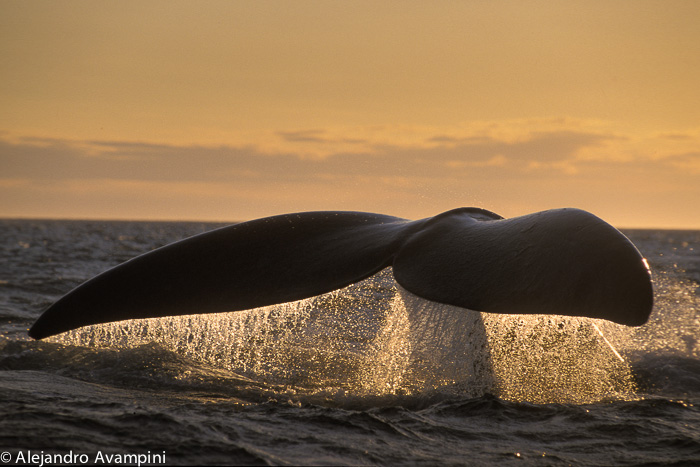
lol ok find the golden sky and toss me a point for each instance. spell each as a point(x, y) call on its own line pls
point(230, 110)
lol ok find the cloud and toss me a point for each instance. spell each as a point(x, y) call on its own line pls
point(306, 136)
point(410, 175)
point(689, 161)
point(440, 156)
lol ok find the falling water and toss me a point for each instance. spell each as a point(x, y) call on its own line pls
point(430, 346)
point(376, 338)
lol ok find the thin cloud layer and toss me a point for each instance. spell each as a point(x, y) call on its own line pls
point(436, 171)
point(439, 157)
point(42, 159)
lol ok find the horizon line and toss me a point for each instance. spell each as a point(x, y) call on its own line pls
point(224, 221)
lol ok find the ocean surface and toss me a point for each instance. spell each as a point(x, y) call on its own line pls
point(369, 375)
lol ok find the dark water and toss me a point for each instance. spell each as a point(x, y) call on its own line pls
point(367, 375)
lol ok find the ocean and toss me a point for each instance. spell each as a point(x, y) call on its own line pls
point(368, 375)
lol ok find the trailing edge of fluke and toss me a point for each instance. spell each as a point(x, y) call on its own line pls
point(562, 261)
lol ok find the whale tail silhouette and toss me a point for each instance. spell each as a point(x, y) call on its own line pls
point(564, 261)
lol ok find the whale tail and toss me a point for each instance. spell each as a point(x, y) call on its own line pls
point(563, 261)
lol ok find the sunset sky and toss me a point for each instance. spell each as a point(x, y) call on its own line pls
point(231, 110)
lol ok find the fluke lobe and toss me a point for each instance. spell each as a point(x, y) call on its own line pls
point(562, 261)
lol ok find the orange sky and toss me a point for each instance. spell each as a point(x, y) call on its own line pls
point(226, 110)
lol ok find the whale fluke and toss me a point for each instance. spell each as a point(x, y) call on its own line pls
point(563, 261)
